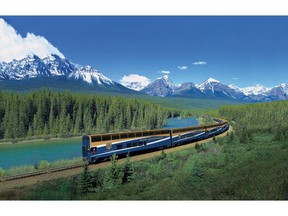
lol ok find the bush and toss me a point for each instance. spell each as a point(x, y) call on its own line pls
point(114, 174)
point(2, 172)
point(201, 147)
point(42, 165)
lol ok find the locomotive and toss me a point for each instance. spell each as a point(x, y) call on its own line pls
point(96, 148)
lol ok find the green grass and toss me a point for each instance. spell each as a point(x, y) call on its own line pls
point(221, 170)
point(187, 103)
point(41, 165)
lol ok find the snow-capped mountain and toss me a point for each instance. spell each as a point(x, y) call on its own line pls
point(162, 86)
point(280, 92)
point(52, 65)
point(260, 93)
point(208, 85)
point(91, 76)
point(257, 89)
point(58, 66)
point(137, 86)
point(32, 66)
point(188, 89)
point(135, 82)
point(214, 88)
point(54, 72)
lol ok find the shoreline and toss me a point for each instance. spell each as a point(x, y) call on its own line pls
point(26, 141)
point(200, 120)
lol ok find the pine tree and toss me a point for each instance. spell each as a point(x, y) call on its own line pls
point(128, 170)
point(85, 182)
point(114, 176)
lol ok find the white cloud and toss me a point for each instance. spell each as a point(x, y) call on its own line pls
point(135, 81)
point(14, 46)
point(164, 72)
point(182, 67)
point(199, 63)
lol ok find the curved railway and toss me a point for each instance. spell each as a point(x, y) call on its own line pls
point(139, 157)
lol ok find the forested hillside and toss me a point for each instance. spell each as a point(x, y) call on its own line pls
point(52, 114)
point(261, 117)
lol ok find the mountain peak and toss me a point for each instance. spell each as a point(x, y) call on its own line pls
point(88, 68)
point(162, 86)
point(166, 77)
point(31, 57)
point(257, 89)
point(91, 75)
point(209, 84)
point(211, 80)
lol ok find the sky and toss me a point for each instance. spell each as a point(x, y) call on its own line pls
point(241, 50)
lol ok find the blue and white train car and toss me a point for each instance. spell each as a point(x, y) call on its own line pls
point(98, 147)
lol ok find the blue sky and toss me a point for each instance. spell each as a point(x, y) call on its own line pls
point(240, 50)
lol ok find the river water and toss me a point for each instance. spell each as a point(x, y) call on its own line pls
point(12, 155)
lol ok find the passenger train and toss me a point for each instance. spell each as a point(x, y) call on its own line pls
point(96, 148)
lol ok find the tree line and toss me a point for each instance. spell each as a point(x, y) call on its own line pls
point(268, 117)
point(61, 114)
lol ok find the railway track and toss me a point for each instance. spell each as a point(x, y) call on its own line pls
point(42, 172)
point(43, 175)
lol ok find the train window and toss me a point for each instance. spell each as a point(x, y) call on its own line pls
point(158, 132)
point(119, 146)
point(115, 136)
point(141, 143)
point(131, 135)
point(129, 145)
point(123, 135)
point(139, 134)
point(93, 150)
point(96, 138)
point(106, 137)
point(146, 133)
point(135, 144)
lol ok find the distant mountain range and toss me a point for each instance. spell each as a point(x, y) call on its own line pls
point(212, 88)
point(59, 73)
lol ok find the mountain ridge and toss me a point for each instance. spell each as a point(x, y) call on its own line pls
point(212, 88)
point(51, 66)
point(55, 72)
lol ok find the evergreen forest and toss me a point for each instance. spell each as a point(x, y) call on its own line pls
point(45, 114)
point(248, 163)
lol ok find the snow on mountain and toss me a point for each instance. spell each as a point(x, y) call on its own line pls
point(260, 93)
point(32, 66)
point(58, 66)
point(236, 88)
point(91, 76)
point(209, 84)
point(29, 67)
point(162, 86)
point(188, 89)
point(257, 89)
point(279, 92)
point(52, 65)
point(167, 81)
point(135, 82)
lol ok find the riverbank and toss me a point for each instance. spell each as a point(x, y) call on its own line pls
point(34, 140)
point(205, 120)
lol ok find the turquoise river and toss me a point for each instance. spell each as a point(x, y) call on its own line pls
point(12, 155)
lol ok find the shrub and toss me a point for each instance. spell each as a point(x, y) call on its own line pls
point(114, 174)
point(42, 165)
point(2, 172)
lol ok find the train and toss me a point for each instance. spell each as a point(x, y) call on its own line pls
point(96, 148)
